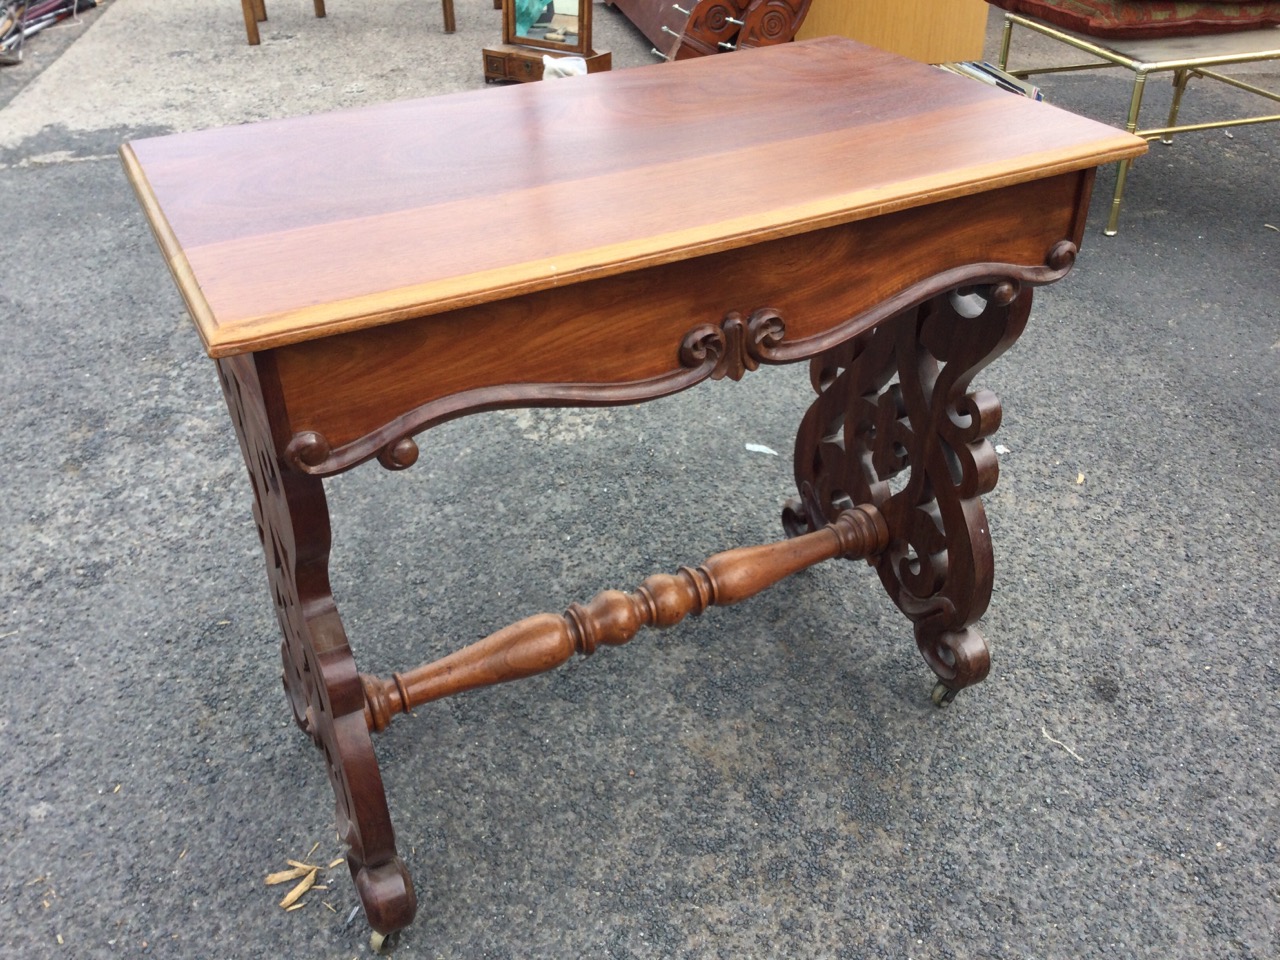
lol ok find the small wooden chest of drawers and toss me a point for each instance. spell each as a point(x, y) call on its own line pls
point(510, 62)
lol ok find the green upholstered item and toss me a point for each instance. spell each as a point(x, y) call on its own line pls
point(1147, 19)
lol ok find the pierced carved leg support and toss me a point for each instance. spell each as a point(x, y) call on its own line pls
point(319, 671)
point(894, 425)
point(545, 641)
point(337, 707)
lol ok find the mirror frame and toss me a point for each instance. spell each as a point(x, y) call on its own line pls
point(583, 46)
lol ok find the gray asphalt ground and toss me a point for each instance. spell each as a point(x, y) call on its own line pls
point(768, 781)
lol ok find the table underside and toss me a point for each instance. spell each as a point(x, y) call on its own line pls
point(895, 314)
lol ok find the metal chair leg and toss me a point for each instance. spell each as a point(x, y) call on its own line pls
point(1005, 37)
point(1122, 174)
point(1180, 79)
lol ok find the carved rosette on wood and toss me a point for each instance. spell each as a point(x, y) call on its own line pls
point(710, 23)
point(683, 29)
point(772, 21)
point(320, 674)
point(894, 425)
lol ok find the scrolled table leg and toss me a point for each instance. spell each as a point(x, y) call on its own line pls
point(320, 675)
point(895, 425)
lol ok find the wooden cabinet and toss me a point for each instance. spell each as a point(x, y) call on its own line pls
point(510, 62)
point(932, 31)
point(532, 29)
point(699, 28)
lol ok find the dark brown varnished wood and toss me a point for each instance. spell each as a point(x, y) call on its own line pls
point(767, 22)
point(699, 28)
point(895, 425)
point(709, 24)
point(545, 641)
point(525, 64)
point(320, 676)
point(618, 340)
point(815, 201)
point(665, 22)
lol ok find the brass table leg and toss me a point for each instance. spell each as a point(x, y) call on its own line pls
point(1122, 173)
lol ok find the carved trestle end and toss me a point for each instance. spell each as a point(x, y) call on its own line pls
point(546, 640)
point(895, 424)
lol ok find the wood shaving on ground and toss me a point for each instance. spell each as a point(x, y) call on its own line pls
point(307, 875)
point(294, 895)
point(284, 876)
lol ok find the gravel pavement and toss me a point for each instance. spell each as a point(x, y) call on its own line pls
point(768, 781)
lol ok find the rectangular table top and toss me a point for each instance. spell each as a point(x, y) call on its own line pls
point(289, 230)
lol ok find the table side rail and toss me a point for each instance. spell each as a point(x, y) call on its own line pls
point(363, 394)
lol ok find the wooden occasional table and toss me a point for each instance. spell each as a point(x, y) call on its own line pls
point(361, 276)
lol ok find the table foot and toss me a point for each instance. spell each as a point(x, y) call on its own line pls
point(320, 677)
point(942, 695)
point(382, 942)
point(894, 425)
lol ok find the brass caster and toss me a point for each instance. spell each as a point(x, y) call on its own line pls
point(382, 942)
point(941, 695)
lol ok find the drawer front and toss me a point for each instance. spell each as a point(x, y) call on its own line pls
point(519, 68)
point(495, 67)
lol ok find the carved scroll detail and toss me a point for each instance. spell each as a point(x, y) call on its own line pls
point(711, 22)
point(320, 675)
point(736, 346)
point(895, 425)
point(543, 642)
point(703, 352)
point(393, 444)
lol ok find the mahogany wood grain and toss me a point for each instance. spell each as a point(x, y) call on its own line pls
point(768, 22)
point(320, 677)
point(545, 641)
point(650, 17)
point(700, 28)
point(293, 230)
point(628, 328)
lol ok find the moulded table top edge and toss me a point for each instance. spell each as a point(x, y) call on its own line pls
point(356, 313)
point(1068, 143)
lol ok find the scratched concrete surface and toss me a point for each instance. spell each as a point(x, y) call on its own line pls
point(768, 781)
